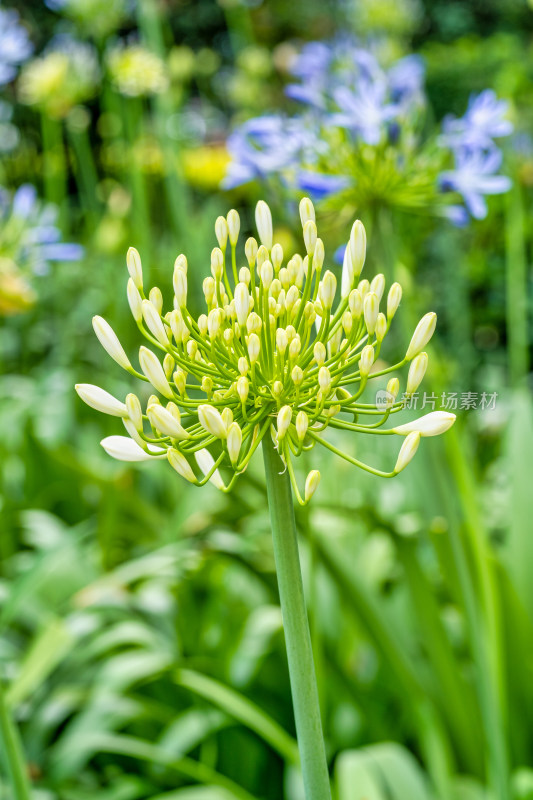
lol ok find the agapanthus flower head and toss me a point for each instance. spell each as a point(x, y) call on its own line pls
point(280, 350)
point(65, 75)
point(362, 140)
point(136, 71)
point(15, 44)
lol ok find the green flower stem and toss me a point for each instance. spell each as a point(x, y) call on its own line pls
point(54, 164)
point(516, 286)
point(12, 752)
point(296, 627)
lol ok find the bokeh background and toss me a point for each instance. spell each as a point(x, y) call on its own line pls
point(142, 652)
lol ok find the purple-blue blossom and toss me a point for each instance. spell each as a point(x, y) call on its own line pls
point(267, 145)
point(473, 177)
point(33, 239)
point(318, 185)
point(15, 45)
point(483, 121)
point(364, 111)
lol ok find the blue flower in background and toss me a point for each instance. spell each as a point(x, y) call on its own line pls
point(15, 45)
point(474, 177)
point(484, 121)
point(318, 185)
point(266, 145)
point(350, 99)
point(364, 111)
point(406, 80)
point(29, 234)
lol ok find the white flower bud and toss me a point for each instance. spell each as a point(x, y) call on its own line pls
point(364, 287)
point(324, 378)
point(109, 341)
point(154, 323)
point(295, 347)
point(153, 370)
point(407, 451)
point(243, 388)
point(311, 484)
point(347, 322)
point(377, 285)
point(208, 287)
point(234, 442)
point(432, 424)
point(178, 461)
point(254, 323)
point(125, 449)
point(221, 232)
point(423, 333)
point(357, 246)
point(327, 288)
point(100, 400)
point(180, 287)
point(371, 311)
point(348, 273)
point(242, 365)
point(302, 424)
point(206, 462)
point(227, 416)
point(254, 346)
point(210, 419)
point(282, 340)
point(276, 256)
point(156, 298)
point(310, 236)
point(202, 324)
point(319, 352)
point(244, 275)
point(134, 409)
point(162, 420)
point(134, 301)
point(307, 211)
point(366, 360)
point(168, 365)
point(133, 262)
point(393, 387)
point(417, 370)
point(181, 263)
point(250, 250)
point(393, 299)
point(277, 388)
point(319, 254)
point(217, 263)
point(180, 380)
point(214, 322)
point(297, 375)
point(207, 385)
point(355, 303)
point(234, 226)
point(242, 303)
point(381, 327)
point(283, 421)
point(267, 274)
point(263, 221)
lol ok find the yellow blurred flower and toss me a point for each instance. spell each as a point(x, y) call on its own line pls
point(137, 72)
point(204, 167)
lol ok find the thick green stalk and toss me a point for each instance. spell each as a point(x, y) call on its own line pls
point(12, 752)
point(296, 627)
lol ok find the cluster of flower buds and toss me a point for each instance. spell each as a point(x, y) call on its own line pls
point(279, 351)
